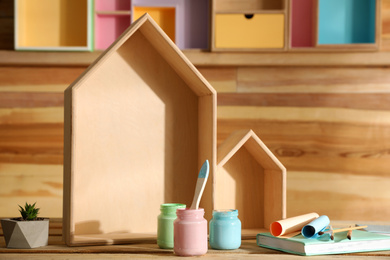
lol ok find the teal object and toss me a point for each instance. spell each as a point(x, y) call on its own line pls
point(362, 241)
point(165, 224)
point(346, 21)
point(319, 224)
point(225, 230)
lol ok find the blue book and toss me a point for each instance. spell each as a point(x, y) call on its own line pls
point(362, 241)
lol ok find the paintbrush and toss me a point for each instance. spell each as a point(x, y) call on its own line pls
point(332, 232)
point(200, 184)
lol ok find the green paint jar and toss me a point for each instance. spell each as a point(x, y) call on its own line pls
point(165, 224)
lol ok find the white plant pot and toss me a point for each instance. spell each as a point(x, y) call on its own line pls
point(25, 234)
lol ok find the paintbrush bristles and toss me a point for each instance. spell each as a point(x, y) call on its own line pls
point(332, 233)
point(349, 235)
point(328, 231)
point(200, 184)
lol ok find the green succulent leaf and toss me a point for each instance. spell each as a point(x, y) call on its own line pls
point(29, 212)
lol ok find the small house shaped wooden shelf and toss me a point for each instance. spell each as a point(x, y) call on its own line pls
point(251, 179)
point(139, 123)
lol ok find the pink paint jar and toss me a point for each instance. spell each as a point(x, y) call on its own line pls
point(190, 232)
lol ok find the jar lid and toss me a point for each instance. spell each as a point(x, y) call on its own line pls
point(187, 212)
point(171, 207)
point(225, 212)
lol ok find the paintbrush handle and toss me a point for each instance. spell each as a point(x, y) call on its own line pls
point(343, 229)
point(347, 229)
point(200, 184)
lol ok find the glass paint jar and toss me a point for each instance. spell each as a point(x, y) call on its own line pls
point(165, 224)
point(225, 230)
point(190, 232)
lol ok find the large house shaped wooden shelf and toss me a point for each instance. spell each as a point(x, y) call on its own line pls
point(251, 179)
point(139, 123)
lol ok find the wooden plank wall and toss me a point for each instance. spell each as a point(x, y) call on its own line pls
point(31, 137)
point(330, 127)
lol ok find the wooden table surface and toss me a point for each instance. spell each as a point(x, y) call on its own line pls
point(58, 250)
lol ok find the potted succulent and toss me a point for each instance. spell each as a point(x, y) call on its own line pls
point(27, 231)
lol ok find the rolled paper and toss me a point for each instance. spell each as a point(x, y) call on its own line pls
point(289, 225)
point(319, 224)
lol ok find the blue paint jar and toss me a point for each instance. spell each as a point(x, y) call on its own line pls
point(225, 229)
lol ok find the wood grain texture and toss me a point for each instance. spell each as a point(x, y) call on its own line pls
point(376, 101)
point(18, 99)
point(313, 80)
point(319, 142)
point(36, 143)
point(385, 19)
point(385, 44)
point(32, 183)
point(31, 137)
point(326, 125)
point(204, 58)
point(324, 130)
point(31, 115)
point(325, 116)
point(339, 195)
point(248, 249)
point(21, 76)
point(31, 88)
point(222, 79)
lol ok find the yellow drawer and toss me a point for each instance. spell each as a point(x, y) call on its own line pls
point(260, 31)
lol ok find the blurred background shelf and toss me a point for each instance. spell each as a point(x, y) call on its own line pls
point(206, 58)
